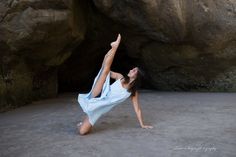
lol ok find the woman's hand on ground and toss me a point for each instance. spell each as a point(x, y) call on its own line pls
point(116, 43)
point(147, 126)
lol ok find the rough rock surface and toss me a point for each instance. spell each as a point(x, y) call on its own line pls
point(36, 37)
point(184, 45)
point(181, 44)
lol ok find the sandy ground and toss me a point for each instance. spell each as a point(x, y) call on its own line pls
point(185, 125)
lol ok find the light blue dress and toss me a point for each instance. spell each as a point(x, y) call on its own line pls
point(111, 96)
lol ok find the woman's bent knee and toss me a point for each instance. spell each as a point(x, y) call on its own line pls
point(83, 132)
point(85, 127)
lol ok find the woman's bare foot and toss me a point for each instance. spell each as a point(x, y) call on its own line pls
point(78, 127)
point(116, 43)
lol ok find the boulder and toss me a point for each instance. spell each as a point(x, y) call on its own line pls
point(36, 37)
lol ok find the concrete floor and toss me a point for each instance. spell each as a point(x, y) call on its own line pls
point(185, 125)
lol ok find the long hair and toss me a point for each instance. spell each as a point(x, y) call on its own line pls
point(135, 84)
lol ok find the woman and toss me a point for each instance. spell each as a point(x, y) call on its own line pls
point(103, 96)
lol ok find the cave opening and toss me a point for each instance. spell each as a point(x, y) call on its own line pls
point(79, 70)
point(77, 73)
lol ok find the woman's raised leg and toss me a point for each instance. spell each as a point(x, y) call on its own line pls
point(99, 83)
point(106, 65)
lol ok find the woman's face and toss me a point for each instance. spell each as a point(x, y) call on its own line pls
point(133, 72)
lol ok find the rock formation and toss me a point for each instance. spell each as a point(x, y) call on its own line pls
point(36, 37)
point(183, 45)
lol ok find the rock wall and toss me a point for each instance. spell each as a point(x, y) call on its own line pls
point(184, 45)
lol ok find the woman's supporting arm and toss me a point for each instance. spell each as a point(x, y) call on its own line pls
point(138, 111)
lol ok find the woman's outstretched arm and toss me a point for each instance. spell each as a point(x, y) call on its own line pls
point(115, 75)
point(138, 111)
point(108, 59)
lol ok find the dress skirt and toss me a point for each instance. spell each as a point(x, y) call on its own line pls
point(95, 107)
point(111, 95)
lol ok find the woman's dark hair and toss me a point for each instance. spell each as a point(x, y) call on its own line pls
point(135, 84)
